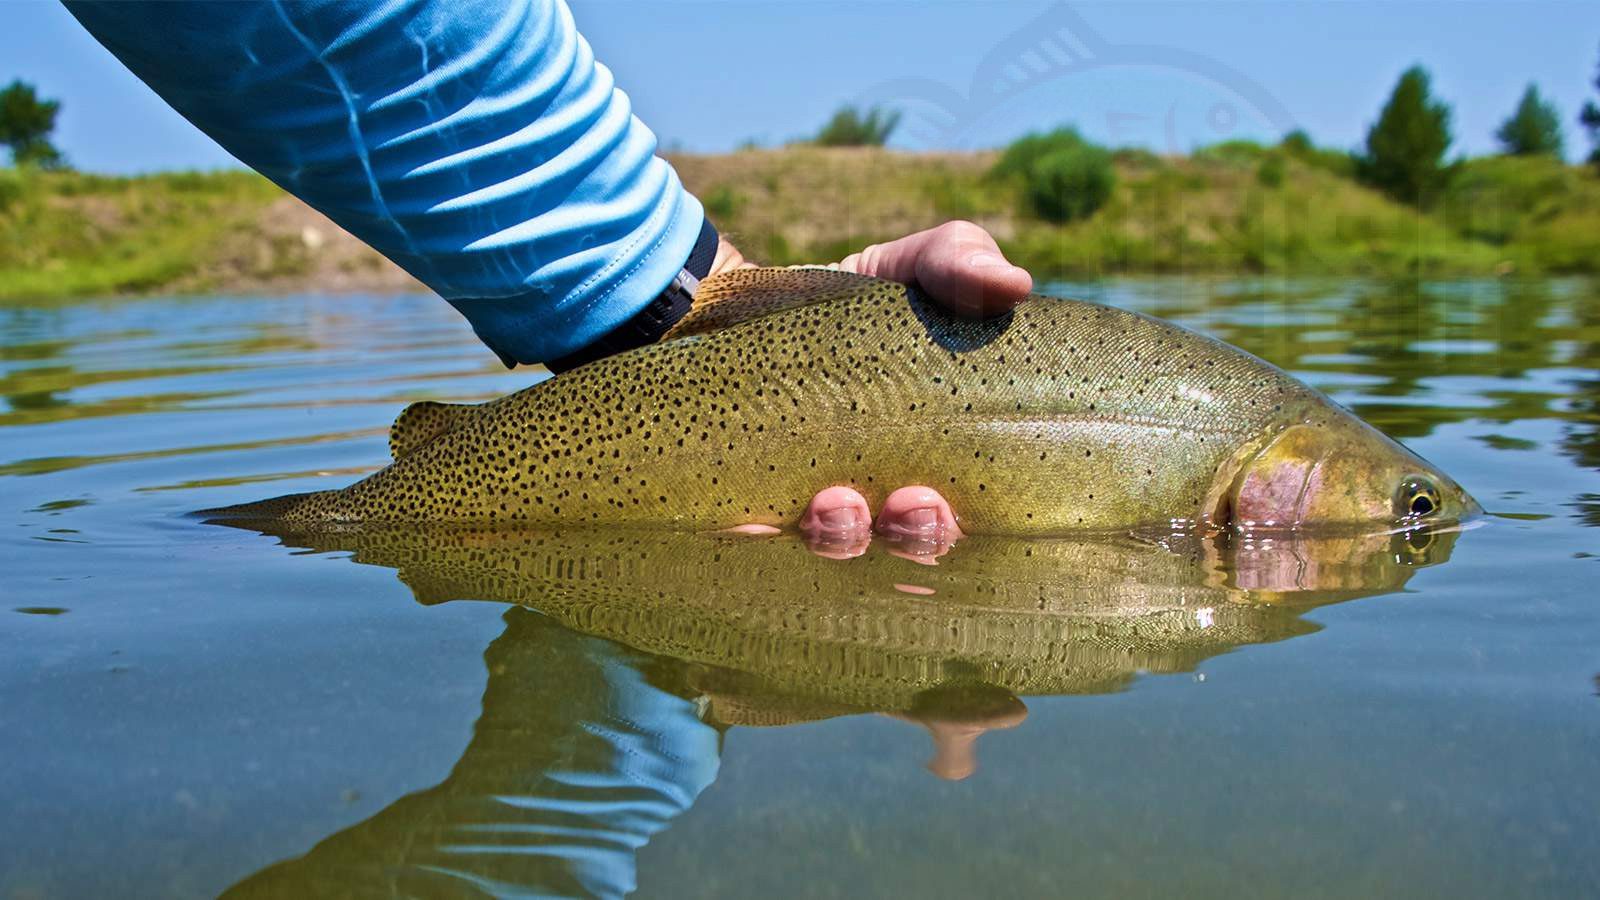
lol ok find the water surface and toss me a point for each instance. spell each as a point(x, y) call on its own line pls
point(189, 709)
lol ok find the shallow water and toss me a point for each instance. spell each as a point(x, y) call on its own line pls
point(188, 709)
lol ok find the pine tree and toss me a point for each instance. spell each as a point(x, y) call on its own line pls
point(1405, 148)
point(1533, 130)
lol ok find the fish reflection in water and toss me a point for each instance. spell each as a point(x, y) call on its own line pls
point(628, 655)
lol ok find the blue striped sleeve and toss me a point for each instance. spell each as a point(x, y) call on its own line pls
point(477, 143)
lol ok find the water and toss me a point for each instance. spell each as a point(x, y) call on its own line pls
point(188, 709)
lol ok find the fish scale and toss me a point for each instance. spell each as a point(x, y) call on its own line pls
point(1059, 416)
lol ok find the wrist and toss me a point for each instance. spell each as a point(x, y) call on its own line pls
point(658, 316)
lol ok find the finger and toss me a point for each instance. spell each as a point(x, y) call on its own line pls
point(752, 530)
point(838, 523)
point(919, 524)
point(958, 264)
point(917, 512)
point(964, 271)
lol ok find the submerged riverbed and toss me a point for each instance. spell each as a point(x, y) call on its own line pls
point(188, 709)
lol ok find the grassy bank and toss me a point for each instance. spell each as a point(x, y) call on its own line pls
point(68, 234)
point(1232, 208)
point(1229, 208)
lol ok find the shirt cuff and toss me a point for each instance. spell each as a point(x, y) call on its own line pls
point(520, 329)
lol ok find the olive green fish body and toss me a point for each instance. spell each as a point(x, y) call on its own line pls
point(1061, 415)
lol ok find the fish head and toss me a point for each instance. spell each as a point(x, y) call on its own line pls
point(1334, 471)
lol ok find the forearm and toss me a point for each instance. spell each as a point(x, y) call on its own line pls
point(477, 143)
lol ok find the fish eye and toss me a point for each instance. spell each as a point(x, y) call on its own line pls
point(1416, 498)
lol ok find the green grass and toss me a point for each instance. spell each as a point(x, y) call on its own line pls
point(67, 234)
point(1235, 207)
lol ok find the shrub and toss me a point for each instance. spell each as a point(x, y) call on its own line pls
point(1062, 176)
point(1236, 151)
point(1137, 158)
point(1298, 145)
point(850, 127)
point(722, 202)
point(1271, 170)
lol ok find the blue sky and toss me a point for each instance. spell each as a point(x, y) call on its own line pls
point(1168, 76)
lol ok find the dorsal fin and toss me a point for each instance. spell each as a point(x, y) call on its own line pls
point(745, 294)
point(421, 422)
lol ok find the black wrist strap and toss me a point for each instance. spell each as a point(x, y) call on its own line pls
point(649, 324)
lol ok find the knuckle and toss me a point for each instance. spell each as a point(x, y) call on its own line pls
point(963, 230)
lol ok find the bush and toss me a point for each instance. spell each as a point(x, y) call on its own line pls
point(11, 188)
point(850, 127)
point(1271, 170)
point(1298, 145)
point(722, 202)
point(1137, 158)
point(1240, 152)
point(1062, 176)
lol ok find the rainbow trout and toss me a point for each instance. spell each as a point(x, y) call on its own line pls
point(1058, 417)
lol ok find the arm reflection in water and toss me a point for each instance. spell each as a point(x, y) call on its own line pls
point(577, 760)
point(586, 748)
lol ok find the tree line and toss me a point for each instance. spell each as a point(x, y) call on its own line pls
point(1404, 154)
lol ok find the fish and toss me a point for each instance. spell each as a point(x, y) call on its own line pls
point(775, 634)
point(1058, 417)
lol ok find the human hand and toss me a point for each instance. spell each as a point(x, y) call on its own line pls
point(959, 266)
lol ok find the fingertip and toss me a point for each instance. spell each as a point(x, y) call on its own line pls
point(836, 511)
point(838, 523)
point(979, 285)
point(917, 511)
point(1001, 285)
